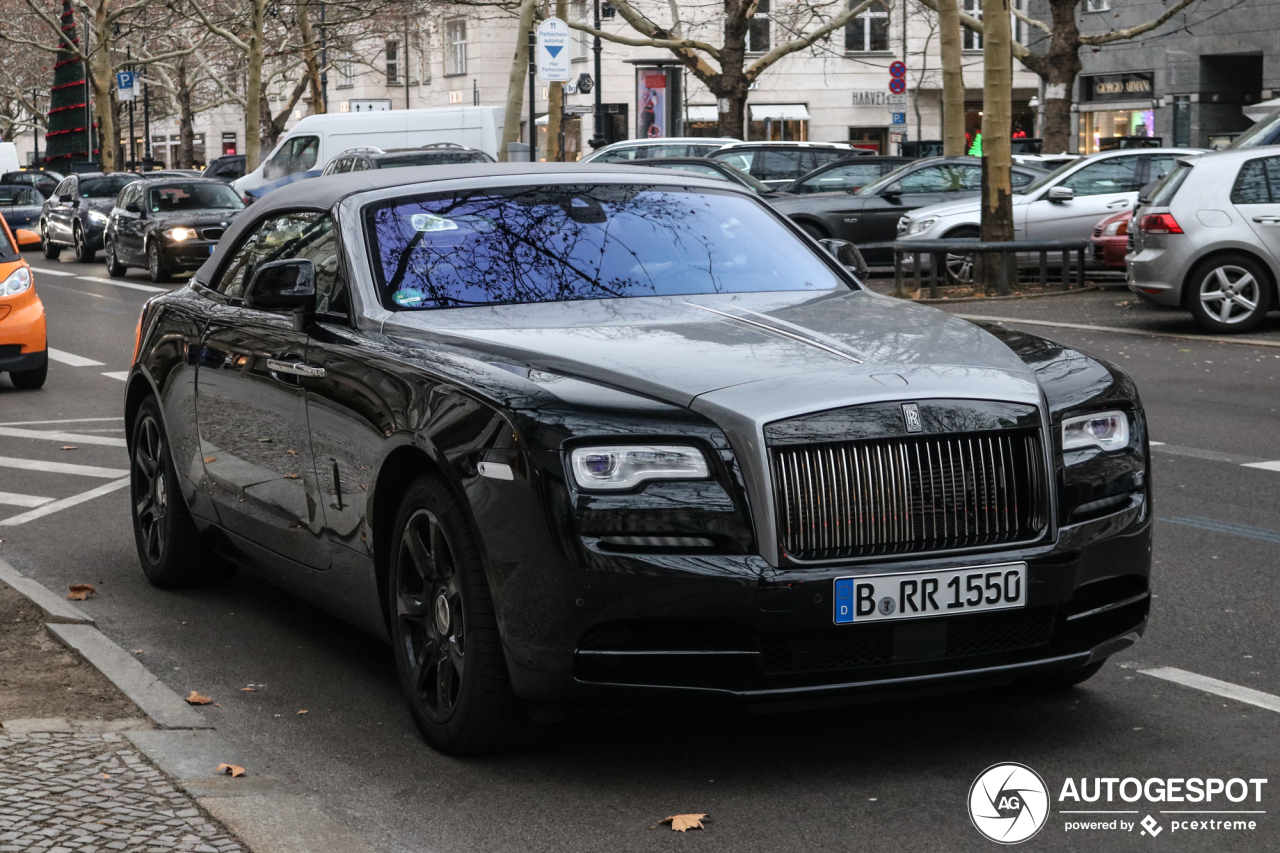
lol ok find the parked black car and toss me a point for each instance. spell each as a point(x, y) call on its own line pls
point(715, 169)
point(168, 225)
point(569, 434)
point(226, 169)
point(76, 215)
point(20, 205)
point(869, 217)
point(435, 154)
point(42, 179)
point(844, 175)
point(779, 163)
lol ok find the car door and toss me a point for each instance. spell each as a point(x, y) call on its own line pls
point(129, 226)
point(927, 185)
point(58, 219)
point(846, 177)
point(1101, 188)
point(1256, 196)
point(251, 408)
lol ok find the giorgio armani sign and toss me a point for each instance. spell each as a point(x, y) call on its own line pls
point(1127, 86)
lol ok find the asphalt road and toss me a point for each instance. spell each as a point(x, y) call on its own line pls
point(880, 776)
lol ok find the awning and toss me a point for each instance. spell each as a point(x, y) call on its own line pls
point(710, 113)
point(779, 112)
point(1262, 109)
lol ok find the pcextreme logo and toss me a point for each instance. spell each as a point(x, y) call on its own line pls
point(1009, 803)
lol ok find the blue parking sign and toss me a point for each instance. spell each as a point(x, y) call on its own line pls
point(899, 118)
point(124, 85)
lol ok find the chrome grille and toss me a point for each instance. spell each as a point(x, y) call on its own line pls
point(902, 495)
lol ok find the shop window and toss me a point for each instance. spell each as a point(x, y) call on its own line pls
point(1112, 124)
point(869, 31)
point(870, 138)
point(455, 33)
point(758, 29)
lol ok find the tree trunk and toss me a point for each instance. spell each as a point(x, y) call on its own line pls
point(952, 79)
point(516, 81)
point(732, 82)
point(186, 124)
point(102, 77)
point(555, 102)
point(1058, 69)
point(253, 91)
point(997, 121)
point(310, 56)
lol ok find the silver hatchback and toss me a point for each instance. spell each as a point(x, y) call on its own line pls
point(1208, 239)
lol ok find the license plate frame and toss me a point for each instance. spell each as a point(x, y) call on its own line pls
point(928, 594)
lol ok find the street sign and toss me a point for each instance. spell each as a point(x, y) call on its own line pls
point(553, 51)
point(578, 109)
point(898, 118)
point(124, 86)
point(897, 85)
point(896, 100)
point(898, 69)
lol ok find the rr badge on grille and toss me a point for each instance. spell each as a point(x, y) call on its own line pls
point(911, 417)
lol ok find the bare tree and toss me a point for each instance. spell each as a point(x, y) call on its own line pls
point(997, 121)
point(952, 77)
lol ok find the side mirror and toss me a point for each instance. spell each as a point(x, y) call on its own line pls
point(133, 207)
point(26, 238)
point(284, 286)
point(894, 189)
point(1061, 194)
point(847, 255)
point(66, 198)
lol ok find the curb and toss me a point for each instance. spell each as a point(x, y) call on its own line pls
point(1011, 298)
point(259, 810)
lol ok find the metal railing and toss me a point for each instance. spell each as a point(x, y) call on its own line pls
point(946, 255)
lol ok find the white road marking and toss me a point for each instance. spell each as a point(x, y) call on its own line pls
point(1265, 466)
point(64, 421)
point(11, 499)
point(1084, 327)
point(50, 508)
point(73, 360)
point(148, 288)
point(61, 468)
point(76, 290)
point(48, 271)
point(1216, 687)
point(1156, 443)
point(56, 435)
point(122, 375)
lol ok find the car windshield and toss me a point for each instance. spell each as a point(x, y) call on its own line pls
point(107, 186)
point(432, 158)
point(168, 198)
point(559, 243)
point(1045, 180)
point(875, 187)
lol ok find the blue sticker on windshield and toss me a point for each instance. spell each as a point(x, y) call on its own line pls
point(408, 298)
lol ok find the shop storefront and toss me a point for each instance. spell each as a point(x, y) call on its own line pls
point(1117, 110)
point(778, 123)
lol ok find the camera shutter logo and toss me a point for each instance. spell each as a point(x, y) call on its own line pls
point(1008, 803)
point(911, 417)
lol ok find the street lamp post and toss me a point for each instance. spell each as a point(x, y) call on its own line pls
point(533, 107)
point(133, 136)
point(598, 140)
point(35, 126)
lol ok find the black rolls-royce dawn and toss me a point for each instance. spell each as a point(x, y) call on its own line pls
point(568, 435)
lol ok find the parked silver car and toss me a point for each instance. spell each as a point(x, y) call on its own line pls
point(1066, 204)
point(1208, 239)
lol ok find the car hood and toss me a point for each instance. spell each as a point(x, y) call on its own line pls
point(102, 205)
point(193, 217)
point(764, 355)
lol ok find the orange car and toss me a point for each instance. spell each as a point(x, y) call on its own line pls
point(24, 353)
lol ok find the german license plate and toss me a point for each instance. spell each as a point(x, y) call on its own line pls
point(882, 598)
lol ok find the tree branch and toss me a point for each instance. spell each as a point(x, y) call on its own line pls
point(1130, 32)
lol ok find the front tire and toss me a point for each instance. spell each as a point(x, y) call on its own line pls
point(817, 232)
point(444, 629)
point(156, 269)
point(84, 254)
point(50, 249)
point(1230, 294)
point(115, 269)
point(30, 380)
point(168, 544)
point(960, 266)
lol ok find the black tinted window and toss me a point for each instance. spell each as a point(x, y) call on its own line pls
point(168, 198)
point(304, 234)
point(1254, 184)
point(773, 165)
point(550, 244)
point(108, 186)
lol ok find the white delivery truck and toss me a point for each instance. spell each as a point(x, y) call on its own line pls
point(315, 140)
point(9, 157)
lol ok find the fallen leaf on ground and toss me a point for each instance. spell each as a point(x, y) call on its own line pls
point(137, 651)
point(209, 459)
point(292, 452)
point(104, 775)
point(69, 447)
point(248, 690)
point(80, 591)
point(291, 476)
point(196, 699)
point(300, 713)
point(683, 822)
point(264, 440)
point(230, 769)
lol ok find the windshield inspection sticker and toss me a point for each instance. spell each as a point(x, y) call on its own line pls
point(1009, 803)
point(428, 222)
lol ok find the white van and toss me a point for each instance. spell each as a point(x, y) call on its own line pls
point(314, 140)
point(9, 157)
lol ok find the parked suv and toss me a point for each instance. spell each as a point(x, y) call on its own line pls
point(76, 215)
point(780, 163)
point(437, 154)
point(1208, 239)
point(649, 149)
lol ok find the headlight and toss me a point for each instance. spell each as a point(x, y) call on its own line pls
point(180, 234)
point(921, 225)
point(1105, 430)
point(97, 218)
point(18, 281)
point(614, 468)
point(1116, 229)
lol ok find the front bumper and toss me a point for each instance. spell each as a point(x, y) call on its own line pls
point(23, 336)
point(1109, 252)
point(188, 254)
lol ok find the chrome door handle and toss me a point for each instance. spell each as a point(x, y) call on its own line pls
point(297, 368)
point(1116, 204)
point(1267, 220)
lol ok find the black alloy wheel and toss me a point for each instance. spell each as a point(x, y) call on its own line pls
point(115, 269)
point(50, 249)
point(155, 263)
point(168, 544)
point(82, 251)
point(447, 647)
